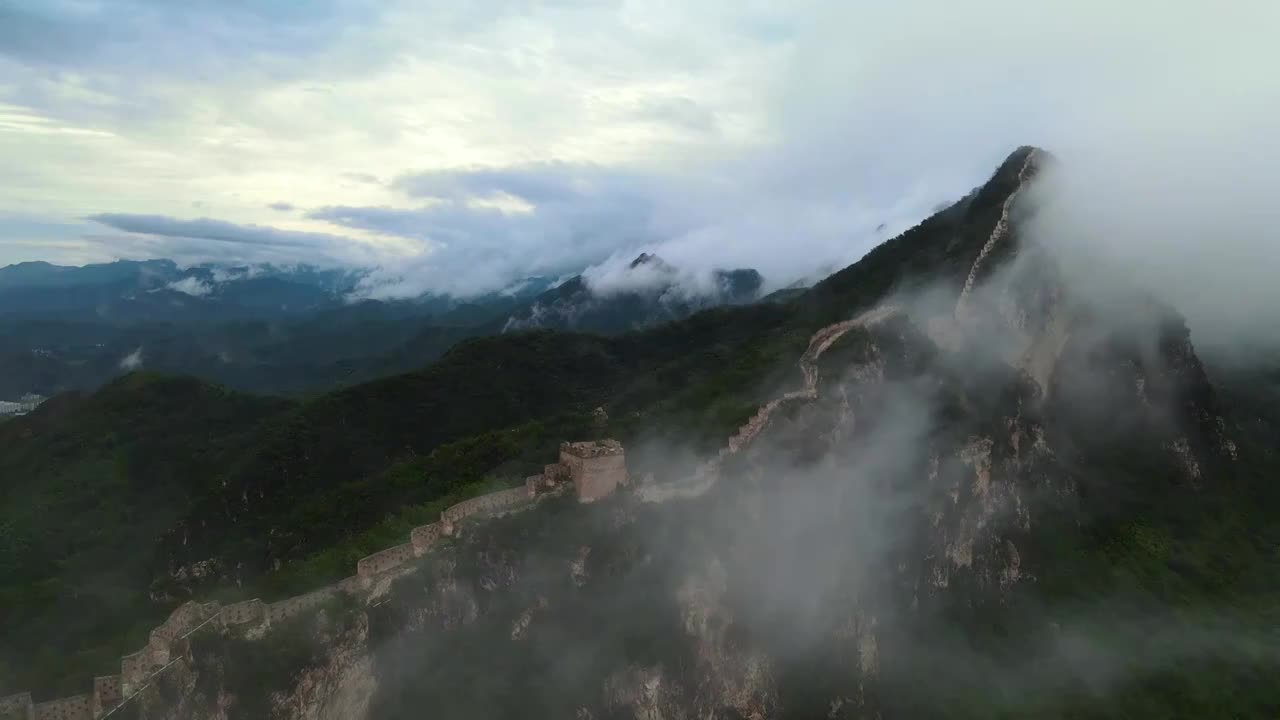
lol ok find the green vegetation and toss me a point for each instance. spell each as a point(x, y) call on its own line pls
point(89, 485)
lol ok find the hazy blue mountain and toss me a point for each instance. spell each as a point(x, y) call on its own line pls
point(258, 328)
point(650, 292)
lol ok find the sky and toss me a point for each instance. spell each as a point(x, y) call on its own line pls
point(459, 147)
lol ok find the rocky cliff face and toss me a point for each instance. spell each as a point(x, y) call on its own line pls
point(979, 501)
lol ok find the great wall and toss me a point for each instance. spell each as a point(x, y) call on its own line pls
point(593, 468)
point(708, 472)
point(1001, 231)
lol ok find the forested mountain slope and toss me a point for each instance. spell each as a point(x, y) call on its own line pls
point(87, 486)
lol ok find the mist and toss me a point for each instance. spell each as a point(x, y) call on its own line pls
point(1194, 224)
point(132, 361)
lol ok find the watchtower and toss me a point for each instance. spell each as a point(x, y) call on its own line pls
point(596, 467)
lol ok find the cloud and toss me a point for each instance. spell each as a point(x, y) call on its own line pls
point(490, 226)
point(185, 237)
point(193, 286)
point(543, 183)
point(205, 229)
point(181, 39)
point(132, 361)
point(486, 228)
point(281, 206)
point(1190, 218)
point(680, 112)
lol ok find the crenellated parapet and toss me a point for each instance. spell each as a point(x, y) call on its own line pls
point(134, 669)
point(243, 613)
point(107, 693)
point(595, 468)
point(76, 707)
point(423, 537)
point(178, 624)
point(592, 449)
point(350, 585)
point(491, 504)
point(17, 707)
point(384, 560)
point(278, 612)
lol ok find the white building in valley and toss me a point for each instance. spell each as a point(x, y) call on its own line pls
point(26, 404)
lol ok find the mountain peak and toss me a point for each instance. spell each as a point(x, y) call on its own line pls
point(1037, 157)
point(645, 259)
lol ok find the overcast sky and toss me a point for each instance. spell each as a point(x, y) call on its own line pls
point(460, 146)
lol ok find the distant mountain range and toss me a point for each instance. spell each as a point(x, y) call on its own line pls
point(649, 292)
point(289, 330)
point(150, 291)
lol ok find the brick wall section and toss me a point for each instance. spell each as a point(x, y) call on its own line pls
point(285, 609)
point(555, 473)
point(454, 513)
point(134, 669)
point(350, 585)
point(210, 610)
point(249, 611)
point(180, 622)
point(106, 693)
point(495, 502)
point(16, 707)
point(76, 707)
point(535, 484)
point(423, 537)
point(384, 560)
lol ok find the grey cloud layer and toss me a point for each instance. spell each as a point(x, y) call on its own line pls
point(578, 215)
point(585, 215)
point(56, 33)
point(193, 237)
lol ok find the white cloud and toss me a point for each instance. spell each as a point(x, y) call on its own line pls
point(193, 286)
point(132, 361)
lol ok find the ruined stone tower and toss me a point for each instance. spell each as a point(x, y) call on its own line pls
point(596, 467)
